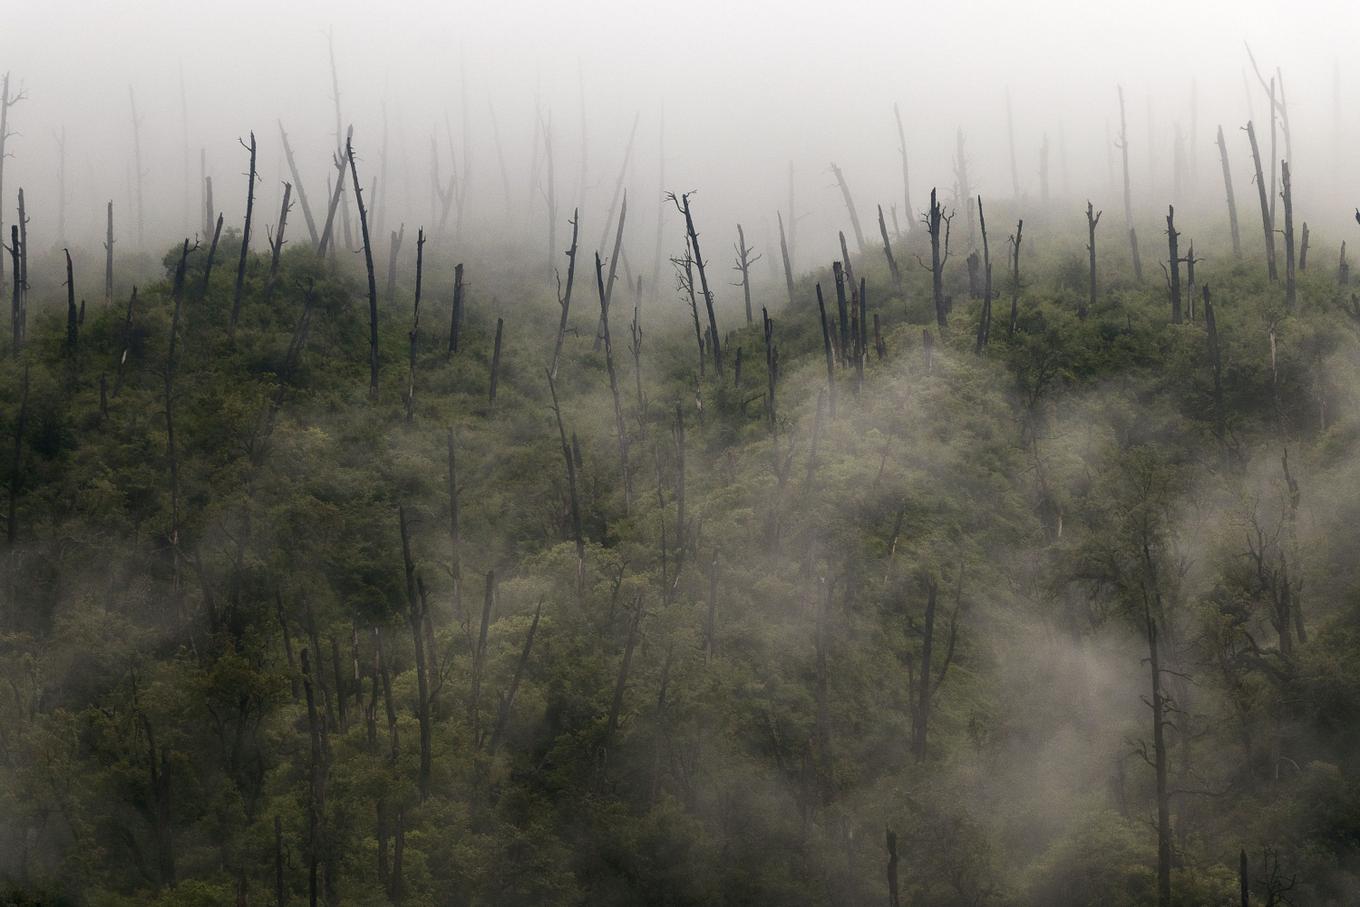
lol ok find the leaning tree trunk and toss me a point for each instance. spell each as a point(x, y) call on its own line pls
point(888, 253)
point(850, 207)
point(297, 181)
point(564, 299)
point(683, 204)
point(784, 253)
point(1232, 198)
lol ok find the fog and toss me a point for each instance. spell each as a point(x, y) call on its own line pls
point(740, 94)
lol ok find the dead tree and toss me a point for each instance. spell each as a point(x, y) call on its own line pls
point(368, 265)
point(621, 684)
point(743, 266)
point(771, 361)
point(1010, 144)
point(1267, 223)
point(893, 899)
point(1232, 198)
point(297, 181)
point(276, 244)
point(564, 299)
point(1015, 239)
point(393, 251)
point(479, 659)
point(888, 253)
point(17, 300)
point(985, 319)
point(574, 499)
point(108, 256)
point(1092, 220)
point(245, 238)
point(7, 101)
point(906, 179)
point(21, 292)
point(1216, 362)
point(1123, 144)
point(784, 253)
point(613, 268)
point(1303, 248)
point(127, 343)
point(212, 254)
point(496, 360)
point(1173, 265)
point(850, 207)
point(456, 318)
point(172, 458)
point(682, 205)
point(208, 209)
point(963, 189)
point(684, 273)
point(830, 354)
point(939, 254)
point(72, 312)
point(327, 241)
point(1290, 286)
point(415, 329)
point(842, 312)
point(619, 427)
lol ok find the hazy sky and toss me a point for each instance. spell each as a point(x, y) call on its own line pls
point(747, 89)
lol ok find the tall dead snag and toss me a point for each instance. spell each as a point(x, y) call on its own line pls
point(1123, 144)
point(784, 253)
point(327, 242)
point(614, 257)
point(985, 319)
point(939, 253)
point(1092, 220)
point(684, 273)
point(902, 150)
point(743, 266)
point(1216, 362)
point(245, 238)
point(574, 500)
point(415, 330)
point(887, 251)
point(208, 209)
point(682, 204)
point(619, 427)
point(1232, 198)
point(171, 454)
point(850, 207)
point(830, 354)
point(72, 313)
point(1267, 223)
point(415, 615)
point(496, 360)
point(108, 257)
point(1010, 144)
point(1303, 248)
point(7, 101)
point(962, 189)
point(1290, 287)
point(276, 243)
point(564, 299)
point(1173, 265)
point(842, 313)
point(1015, 239)
point(393, 253)
point(21, 283)
point(456, 317)
point(368, 265)
point(297, 181)
point(508, 700)
point(17, 300)
point(126, 343)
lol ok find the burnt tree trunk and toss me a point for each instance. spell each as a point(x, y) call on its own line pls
point(888, 253)
point(564, 299)
point(1015, 239)
point(1267, 223)
point(744, 262)
point(496, 360)
point(938, 222)
point(683, 204)
point(245, 240)
point(1173, 265)
point(1290, 285)
point(1092, 221)
point(456, 318)
point(850, 207)
point(368, 265)
point(1232, 197)
point(415, 326)
point(784, 253)
point(276, 247)
point(297, 181)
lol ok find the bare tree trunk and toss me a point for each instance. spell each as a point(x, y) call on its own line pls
point(496, 359)
point(508, 700)
point(1128, 192)
point(571, 486)
point(1290, 286)
point(830, 355)
point(744, 262)
point(276, 247)
point(1015, 275)
point(682, 203)
point(1232, 198)
point(297, 181)
point(368, 264)
point(393, 251)
point(456, 319)
point(72, 313)
point(564, 300)
point(985, 321)
point(1173, 265)
point(1267, 221)
point(327, 242)
point(127, 343)
point(850, 207)
point(619, 426)
point(1159, 705)
point(906, 178)
point(137, 166)
point(479, 660)
point(1303, 248)
point(888, 253)
point(245, 239)
point(7, 101)
point(1010, 142)
point(939, 254)
point(1216, 361)
point(784, 253)
point(212, 254)
point(415, 328)
point(1092, 220)
point(108, 257)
